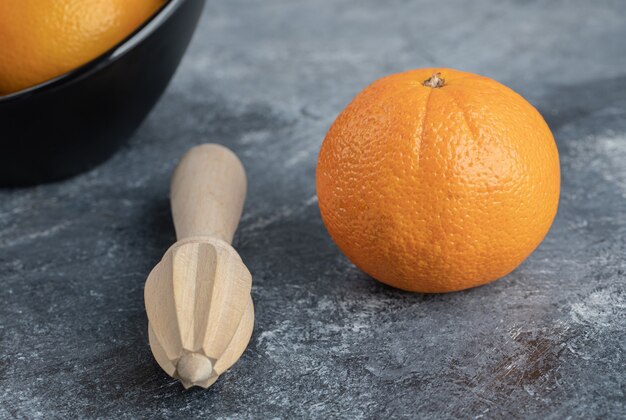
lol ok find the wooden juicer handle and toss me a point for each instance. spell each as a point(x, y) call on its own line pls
point(207, 193)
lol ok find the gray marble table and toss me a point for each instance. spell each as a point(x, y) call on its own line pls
point(267, 79)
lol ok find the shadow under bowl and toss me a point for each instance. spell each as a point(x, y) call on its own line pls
point(72, 123)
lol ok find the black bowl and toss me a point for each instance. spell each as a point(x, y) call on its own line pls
point(70, 124)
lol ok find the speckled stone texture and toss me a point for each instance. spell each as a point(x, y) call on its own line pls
point(267, 78)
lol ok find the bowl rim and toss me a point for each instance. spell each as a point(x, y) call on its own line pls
point(109, 56)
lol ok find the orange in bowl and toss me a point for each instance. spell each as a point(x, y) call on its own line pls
point(42, 39)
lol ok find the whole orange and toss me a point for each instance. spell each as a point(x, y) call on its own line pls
point(436, 180)
point(42, 39)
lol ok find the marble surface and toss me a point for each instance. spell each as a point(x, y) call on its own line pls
point(267, 79)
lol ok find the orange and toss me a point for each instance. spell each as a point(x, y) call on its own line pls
point(42, 39)
point(437, 180)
